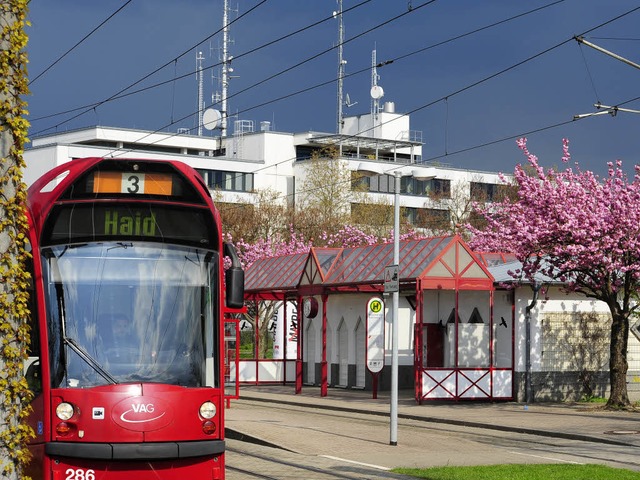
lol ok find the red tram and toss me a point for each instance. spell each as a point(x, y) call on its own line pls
point(129, 299)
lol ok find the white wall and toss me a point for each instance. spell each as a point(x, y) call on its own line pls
point(555, 300)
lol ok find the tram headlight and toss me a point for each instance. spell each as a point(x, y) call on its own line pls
point(64, 411)
point(208, 410)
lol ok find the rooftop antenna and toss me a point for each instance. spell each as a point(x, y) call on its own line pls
point(376, 91)
point(199, 76)
point(226, 67)
point(341, 63)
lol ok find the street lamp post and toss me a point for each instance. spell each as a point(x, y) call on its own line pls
point(419, 174)
point(393, 436)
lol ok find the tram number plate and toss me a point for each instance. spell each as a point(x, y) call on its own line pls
point(79, 474)
point(132, 183)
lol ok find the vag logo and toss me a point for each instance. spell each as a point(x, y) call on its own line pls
point(141, 407)
point(134, 414)
point(141, 413)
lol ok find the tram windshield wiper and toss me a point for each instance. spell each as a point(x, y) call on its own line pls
point(89, 360)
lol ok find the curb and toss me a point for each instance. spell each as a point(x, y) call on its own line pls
point(419, 418)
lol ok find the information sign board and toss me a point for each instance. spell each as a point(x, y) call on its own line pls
point(391, 281)
point(375, 334)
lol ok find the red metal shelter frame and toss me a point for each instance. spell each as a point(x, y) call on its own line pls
point(428, 265)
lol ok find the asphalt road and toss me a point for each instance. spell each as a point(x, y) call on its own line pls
point(310, 443)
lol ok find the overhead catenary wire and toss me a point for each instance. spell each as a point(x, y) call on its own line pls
point(485, 144)
point(54, 63)
point(484, 79)
point(510, 137)
point(95, 105)
point(366, 69)
point(121, 94)
point(492, 76)
point(238, 56)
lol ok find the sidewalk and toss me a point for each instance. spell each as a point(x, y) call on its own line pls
point(585, 422)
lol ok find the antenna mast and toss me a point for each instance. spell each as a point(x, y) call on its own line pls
point(200, 74)
point(376, 93)
point(341, 64)
point(225, 66)
point(375, 103)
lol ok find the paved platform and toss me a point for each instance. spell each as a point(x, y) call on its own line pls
point(580, 421)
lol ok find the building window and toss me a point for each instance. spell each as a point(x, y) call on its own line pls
point(437, 187)
point(429, 218)
point(487, 192)
point(228, 181)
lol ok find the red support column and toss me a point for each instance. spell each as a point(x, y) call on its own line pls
point(285, 332)
point(418, 357)
point(323, 364)
point(299, 352)
point(491, 344)
point(256, 341)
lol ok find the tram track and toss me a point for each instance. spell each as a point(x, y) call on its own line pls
point(264, 466)
point(306, 434)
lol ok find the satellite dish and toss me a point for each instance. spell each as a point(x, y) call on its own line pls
point(211, 118)
point(377, 92)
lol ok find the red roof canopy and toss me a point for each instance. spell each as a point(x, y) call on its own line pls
point(429, 263)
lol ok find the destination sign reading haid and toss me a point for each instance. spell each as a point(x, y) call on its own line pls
point(101, 220)
point(133, 183)
point(135, 223)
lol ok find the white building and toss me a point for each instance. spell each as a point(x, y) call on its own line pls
point(239, 165)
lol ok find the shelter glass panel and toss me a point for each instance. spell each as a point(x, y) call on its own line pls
point(464, 259)
point(474, 271)
point(449, 259)
point(439, 270)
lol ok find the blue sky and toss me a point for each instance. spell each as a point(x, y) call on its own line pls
point(460, 101)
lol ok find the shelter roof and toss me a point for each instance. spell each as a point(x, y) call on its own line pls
point(439, 262)
point(501, 265)
point(491, 259)
point(502, 275)
point(275, 274)
point(367, 264)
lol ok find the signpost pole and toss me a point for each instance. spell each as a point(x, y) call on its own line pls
point(393, 414)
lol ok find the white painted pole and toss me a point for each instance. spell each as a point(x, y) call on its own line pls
point(394, 309)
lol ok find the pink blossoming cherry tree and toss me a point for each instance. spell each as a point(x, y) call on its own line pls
point(581, 229)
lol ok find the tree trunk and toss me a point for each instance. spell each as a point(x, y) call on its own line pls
point(618, 364)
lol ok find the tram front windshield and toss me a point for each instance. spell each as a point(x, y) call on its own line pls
point(131, 312)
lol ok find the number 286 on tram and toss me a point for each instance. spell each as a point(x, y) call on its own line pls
point(128, 302)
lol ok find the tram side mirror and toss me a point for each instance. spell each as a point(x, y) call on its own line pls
point(34, 378)
point(234, 279)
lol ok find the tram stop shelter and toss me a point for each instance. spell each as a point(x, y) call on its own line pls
point(448, 344)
